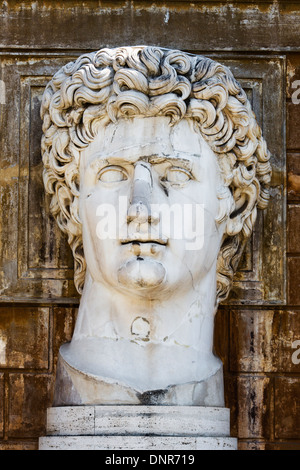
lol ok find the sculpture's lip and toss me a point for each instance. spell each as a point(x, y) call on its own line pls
point(138, 240)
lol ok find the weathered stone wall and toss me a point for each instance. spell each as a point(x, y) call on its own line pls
point(254, 335)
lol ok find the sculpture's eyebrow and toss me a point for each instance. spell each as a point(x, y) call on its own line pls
point(181, 159)
point(177, 160)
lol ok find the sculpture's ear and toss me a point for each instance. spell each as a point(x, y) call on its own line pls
point(245, 199)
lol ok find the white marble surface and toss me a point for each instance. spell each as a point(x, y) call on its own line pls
point(134, 420)
point(136, 443)
point(138, 428)
point(146, 315)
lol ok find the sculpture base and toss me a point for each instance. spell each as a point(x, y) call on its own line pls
point(137, 428)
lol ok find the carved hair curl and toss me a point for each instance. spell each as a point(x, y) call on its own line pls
point(151, 81)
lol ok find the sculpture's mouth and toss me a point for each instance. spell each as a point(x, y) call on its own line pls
point(145, 248)
point(138, 241)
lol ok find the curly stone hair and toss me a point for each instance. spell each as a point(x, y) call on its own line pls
point(106, 85)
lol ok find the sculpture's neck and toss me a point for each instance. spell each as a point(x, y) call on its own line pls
point(184, 318)
point(145, 344)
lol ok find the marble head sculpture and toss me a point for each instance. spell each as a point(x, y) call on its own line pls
point(127, 132)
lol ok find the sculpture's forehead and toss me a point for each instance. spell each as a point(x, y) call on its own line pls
point(146, 136)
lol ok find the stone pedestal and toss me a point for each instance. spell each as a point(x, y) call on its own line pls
point(123, 427)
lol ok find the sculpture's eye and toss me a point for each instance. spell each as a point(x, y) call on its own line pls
point(178, 175)
point(112, 174)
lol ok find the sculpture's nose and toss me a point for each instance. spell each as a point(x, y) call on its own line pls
point(140, 204)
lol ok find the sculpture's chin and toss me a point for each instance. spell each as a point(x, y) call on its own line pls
point(141, 273)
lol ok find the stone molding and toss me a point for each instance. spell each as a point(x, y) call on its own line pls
point(137, 428)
